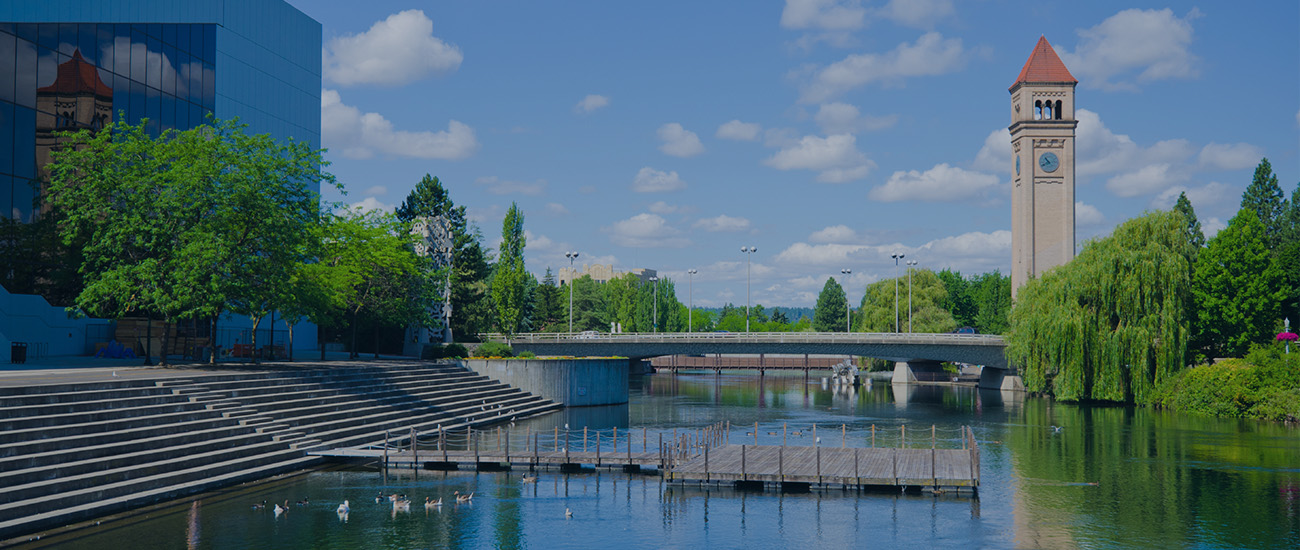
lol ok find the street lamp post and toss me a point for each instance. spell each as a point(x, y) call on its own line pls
point(571, 256)
point(896, 257)
point(690, 297)
point(910, 265)
point(654, 322)
point(848, 326)
point(749, 251)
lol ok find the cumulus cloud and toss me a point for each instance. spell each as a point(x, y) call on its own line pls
point(834, 15)
point(1205, 197)
point(995, 155)
point(930, 55)
point(661, 207)
point(722, 224)
point(973, 244)
point(1212, 227)
point(591, 103)
point(1087, 214)
point(1134, 46)
point(646, 231)
point(836, 158)
point(1098, 150)
point(398, 50)
point(835, 234)
point(943, 183)
point(556, 209)
point(1230, 156)
point(819, 254)
point(498, 186)
point(1148, 179)
point(649, 180)
point(739, 131)
point(842, 118)
point(678, 141)
point(348, 131)
point(917, 13)
point(371, 204)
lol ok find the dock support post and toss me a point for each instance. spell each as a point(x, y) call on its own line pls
point(442, 442)
point(385, 454)
point(415, 453)
point(743, 475)
point(566, 447)
point(584, 439)
point(507, 447)
point(706, 464)
point(536, 461)
point(780, 464)
point(597, 448)
point(475, 440)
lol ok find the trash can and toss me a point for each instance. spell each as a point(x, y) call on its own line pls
point(18, 352)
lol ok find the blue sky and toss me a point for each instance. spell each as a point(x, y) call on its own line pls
point(828, 134)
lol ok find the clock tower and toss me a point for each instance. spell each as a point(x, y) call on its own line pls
point(1042, 148)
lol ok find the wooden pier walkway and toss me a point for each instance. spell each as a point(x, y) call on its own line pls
point(703, 456)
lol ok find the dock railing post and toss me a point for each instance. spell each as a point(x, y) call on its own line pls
point(662, 466)
point(597, 448)
point(873, 436)
point(819, 461)
point(645, 443)
point(728, 432)
point(385, 453)
point(706, 464)
point(780, 464)
point(475, 440)
point(415, 453)
point(442, 442)
point(507, 446)
point(755, 433)
point(844, 436)
point(584, 439)
point(615, 439)
point(566, 447)
point(536, 460)
point(743, 475)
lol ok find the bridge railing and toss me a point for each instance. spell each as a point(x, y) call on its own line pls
point(749, 337)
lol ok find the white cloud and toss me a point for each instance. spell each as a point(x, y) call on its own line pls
point(398, 50)
point(649, 180)
point(943, 183)
point(370, 204)
point(835, 157)
point(678, 141)
point(498, 186)
point(917, 13)
point(1212, 227)
point(930, 55)
point(739, 131)
point(820, 254)
point(995, 155)
point(1134, 46)
point(556, 209)
point(1149, 179)
point(348, 131)
point(823, 14)
point(1100, 151)
point(646, 231)
point(538, 243)
point(835, 234)
point(722, 223)
point(591, 103)
point(1087, 214)
point(973, 244)
point(661, 207)
point(780, 137)
point(1210, 195)
point(842, 118)
point(1234, 156)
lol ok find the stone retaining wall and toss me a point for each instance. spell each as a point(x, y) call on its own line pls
point(573, 382)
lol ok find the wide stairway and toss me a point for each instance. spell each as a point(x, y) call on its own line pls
point(69, 452)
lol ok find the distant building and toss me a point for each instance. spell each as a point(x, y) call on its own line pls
point(602, 273)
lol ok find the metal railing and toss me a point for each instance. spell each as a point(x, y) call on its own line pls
point(751, 337)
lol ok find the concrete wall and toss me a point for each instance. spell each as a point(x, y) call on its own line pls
point(573, 382)
point(31, 319)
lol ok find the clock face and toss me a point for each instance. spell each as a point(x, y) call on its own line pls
point(1048, 162)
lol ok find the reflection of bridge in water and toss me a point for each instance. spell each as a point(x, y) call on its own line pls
point(912, 353)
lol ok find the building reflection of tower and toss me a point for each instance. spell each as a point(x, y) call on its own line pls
point(78, 99)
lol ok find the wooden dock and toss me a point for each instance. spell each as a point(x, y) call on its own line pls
point(703, 456)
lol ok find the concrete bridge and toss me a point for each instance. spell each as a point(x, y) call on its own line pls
point(910, 352)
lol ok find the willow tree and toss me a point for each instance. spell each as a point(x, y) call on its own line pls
point(1111, 324)
point(928, 311)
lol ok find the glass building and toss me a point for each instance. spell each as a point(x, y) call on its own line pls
point(69, 64)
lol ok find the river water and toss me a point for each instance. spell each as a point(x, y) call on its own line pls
point(1110, 477)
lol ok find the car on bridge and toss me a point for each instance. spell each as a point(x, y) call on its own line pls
point(966, 330)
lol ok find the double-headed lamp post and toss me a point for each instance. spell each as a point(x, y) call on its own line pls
point(848, 326)
point(690, 297)
point(571, 256)
point(896, 257)
point(749, 251)
point(654, 322)
point(910, 264)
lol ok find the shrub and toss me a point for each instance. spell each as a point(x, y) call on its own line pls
point(456, 351)
point(527, 355)
point(493, 349)
point(1266, 384)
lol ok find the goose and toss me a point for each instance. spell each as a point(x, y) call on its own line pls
point(303, 502)
point(432, 503)
point(464, 498)
point(529, 479)
point(257, 506)
point(379, 497)
point(1056, 429)
point(773, 433)
point(344, 508)
point(282, 509)
point(402, 505)
point(568, 514)
point(797, 433)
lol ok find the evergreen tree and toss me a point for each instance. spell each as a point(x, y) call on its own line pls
point(508, 281)
point(551, 305)
point(1238, 288)
point(1265, 197)
point(1194, 234)
point(778, 316)
point(830, 315)
point(589, 311)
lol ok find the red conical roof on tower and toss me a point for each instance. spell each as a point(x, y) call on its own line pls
point(77, 75)
point(1044, 66)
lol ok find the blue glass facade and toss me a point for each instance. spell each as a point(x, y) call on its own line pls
point(79, 63)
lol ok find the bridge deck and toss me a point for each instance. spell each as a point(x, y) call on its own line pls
point(831, 466)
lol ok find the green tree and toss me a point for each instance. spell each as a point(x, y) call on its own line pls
point(1265, 197)
point(778, 316)
point(1111, 324)
point(991, 293)
point(470, 271)
point(550, 305)
point(928, 312)
point(1193, 230)
point(959, 302)
point(622, 295)
point(589, 309)
point(508, 285)
point(1238, 288)
point(831, 312)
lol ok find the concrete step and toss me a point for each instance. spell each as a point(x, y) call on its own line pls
point(53, 455)
point(67, 430)
point(90, 406)
point(79, 395)
point(103, 433)
point(10, 391)
point(180, 406)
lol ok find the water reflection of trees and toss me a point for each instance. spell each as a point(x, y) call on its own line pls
point(1161, 479)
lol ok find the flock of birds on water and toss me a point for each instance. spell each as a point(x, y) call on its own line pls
point(399, 502)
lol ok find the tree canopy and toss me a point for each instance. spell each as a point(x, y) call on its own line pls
point(1111, 324)
point(1238, 287)
point(928, 298)
point(831, 313)
point(509, 285)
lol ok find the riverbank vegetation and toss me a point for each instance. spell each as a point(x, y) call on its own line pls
point(1122, 320)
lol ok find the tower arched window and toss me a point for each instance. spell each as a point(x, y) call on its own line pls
point(1058, 109)
point(1038, 109)
point(1047, 110)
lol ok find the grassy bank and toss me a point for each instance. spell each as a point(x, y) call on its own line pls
point(1265, 384)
